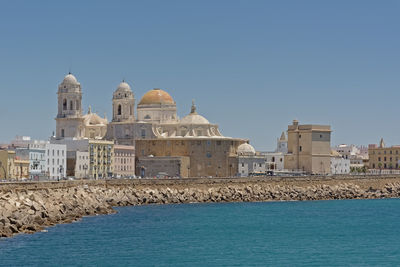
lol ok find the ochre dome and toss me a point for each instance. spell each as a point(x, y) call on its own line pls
point(156, 96)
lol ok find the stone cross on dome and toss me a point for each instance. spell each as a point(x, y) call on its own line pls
point(193, 110)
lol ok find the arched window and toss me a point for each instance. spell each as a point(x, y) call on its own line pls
point(71, 105)
point(65, 104)
point(62, 133)
point(119, 110)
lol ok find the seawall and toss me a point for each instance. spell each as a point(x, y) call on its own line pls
point(31, 206)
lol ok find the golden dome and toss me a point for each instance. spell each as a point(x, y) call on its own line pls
point(156, 96)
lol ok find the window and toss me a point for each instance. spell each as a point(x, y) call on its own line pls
point(71, 105)
point(208, 155)
point(58, 153)
point(143, 133)
point(119, 110)
point(299, 135)
point(65, 104)
point(300, 148)
point(320, 136)
point(62, 132)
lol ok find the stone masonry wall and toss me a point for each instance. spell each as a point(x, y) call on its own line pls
point(30, 207)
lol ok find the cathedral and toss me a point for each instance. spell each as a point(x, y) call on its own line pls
point(156, 116)
point(200, 151)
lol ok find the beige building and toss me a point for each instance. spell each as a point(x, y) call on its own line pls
point(124, 161)
point(70, 122)
point(382, 157)
point(21, 168)
point(198, 144)
point(164, 167)
point(206, 156)
point(309, 148)
point(12, 167)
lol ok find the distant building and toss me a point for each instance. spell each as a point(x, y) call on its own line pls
point(124, 161)
point(101, 156)
point(45, 160)
point(309, 148)
point(282, 144)
point(358, 156)
point(162, 167)
point(209, 152)
point(12, 167)
point(249, 163)
point(252, 163)
point(382, 157)
point(339, 164)
point(78, 164)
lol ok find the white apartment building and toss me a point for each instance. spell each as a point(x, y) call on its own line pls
point(56, 160)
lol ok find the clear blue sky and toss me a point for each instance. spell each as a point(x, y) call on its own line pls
point(251, 66)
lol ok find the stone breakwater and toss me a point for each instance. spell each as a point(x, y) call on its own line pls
point(31, 207)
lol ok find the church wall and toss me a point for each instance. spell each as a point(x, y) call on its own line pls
point(208, 157)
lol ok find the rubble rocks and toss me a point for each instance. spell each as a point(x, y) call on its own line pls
point(28, 211)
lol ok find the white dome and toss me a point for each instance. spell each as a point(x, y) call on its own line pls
point(194, 118)
point(70, 79)
point(124, 86)
point(246, 149)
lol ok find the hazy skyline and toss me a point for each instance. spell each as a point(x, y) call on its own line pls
point(251, 66)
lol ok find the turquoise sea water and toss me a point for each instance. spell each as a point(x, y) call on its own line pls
point(313, 233)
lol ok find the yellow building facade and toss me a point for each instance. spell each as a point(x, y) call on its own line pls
point(11, 167)
point(206, 157)
point(382, 157)
point(309, 148)
point(101, 157)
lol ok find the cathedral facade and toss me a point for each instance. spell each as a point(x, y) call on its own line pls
point(193, 144)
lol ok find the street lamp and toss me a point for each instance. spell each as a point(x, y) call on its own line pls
point(85, 167)
point(61, 172)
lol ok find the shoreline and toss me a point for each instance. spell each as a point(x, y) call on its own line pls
point(29, 207)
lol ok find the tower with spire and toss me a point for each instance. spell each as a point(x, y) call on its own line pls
point(282, 144)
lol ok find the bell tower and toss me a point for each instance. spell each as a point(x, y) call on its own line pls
point(69, 115)
point(123, 104)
